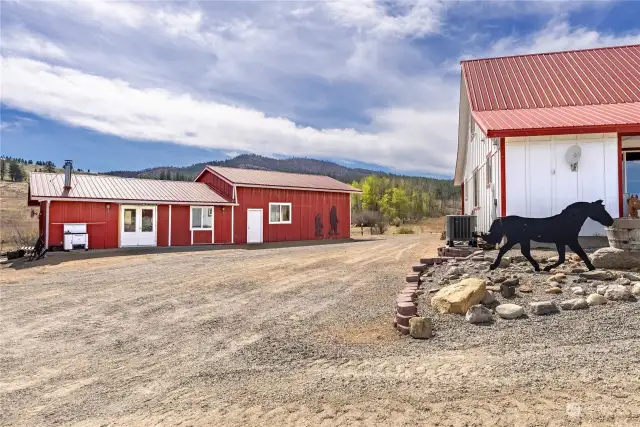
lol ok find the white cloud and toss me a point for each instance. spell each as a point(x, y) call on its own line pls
point(409, 18)
point(242, 77)
point(559, 36)
point(24, 43)
point(115, 107)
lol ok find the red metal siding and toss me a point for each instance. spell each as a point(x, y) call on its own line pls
point(217, 184)
point(180, 233)
point(305, 205)
point(201, 237)
point(101, 220)
point(222, 224)
point(163, 225)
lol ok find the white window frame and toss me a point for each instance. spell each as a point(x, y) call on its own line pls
point(281, 204)
point(202, 215)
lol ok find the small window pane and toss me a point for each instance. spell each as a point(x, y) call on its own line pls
point(196, 217)
point(130, 220)
point(147, 220)
point(207, 221)
point(274, 213)
point(285, 213)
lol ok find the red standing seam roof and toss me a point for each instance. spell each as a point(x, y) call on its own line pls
point(105, 187)
point(263, 178)
point(577, 89)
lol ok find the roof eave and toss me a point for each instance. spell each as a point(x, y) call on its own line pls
point(283, 187)
point(130, 201)
point(463, 119)
point(568, 130)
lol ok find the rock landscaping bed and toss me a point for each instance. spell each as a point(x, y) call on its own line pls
point(458, 287)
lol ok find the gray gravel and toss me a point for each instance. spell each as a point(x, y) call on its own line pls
point(295, 336)
point(611, 322)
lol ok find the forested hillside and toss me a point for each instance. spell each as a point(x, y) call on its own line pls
point(402, 199)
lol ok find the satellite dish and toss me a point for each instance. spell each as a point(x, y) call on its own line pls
point(573, 156)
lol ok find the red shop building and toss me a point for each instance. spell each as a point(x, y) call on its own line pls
point(222, 206)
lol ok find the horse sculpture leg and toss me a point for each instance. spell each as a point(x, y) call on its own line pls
point(525, 248)
point(561, 257)
point(575, 247)
point(503, 250)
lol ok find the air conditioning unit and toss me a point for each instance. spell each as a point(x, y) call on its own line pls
point(461, 228)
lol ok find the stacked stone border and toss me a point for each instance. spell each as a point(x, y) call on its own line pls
point(406, 305)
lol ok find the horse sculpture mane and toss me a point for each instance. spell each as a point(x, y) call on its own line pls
point(575, 206)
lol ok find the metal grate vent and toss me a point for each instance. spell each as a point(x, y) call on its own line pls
point(460, 228)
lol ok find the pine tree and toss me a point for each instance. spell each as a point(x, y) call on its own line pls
point(3, 169)
point(16, 173)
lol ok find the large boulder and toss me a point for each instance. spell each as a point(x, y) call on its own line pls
point(635, 290)
point(420, 327)
point(457, 298)
point(616, 259)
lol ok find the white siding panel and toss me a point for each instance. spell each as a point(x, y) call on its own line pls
point(516, 179)
point(592, 180)
point(539, 179)
point(565, 188)
point(611, 163)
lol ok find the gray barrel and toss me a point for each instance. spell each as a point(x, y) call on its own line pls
point(624, 234)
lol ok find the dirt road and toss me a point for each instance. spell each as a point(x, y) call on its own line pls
point(276, 337)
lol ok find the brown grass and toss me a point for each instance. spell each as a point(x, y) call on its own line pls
point(17, 227)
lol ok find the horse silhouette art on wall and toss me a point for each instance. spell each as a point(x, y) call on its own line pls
point(561, 229)
point(319, 226)
point(333, 221)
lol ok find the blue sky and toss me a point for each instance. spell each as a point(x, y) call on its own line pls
point(129, 85)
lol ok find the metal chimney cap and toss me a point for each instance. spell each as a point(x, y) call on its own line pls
point(68, 167)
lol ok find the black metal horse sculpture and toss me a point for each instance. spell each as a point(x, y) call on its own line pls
point(561, 229)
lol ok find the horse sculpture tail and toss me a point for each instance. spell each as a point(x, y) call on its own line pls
point(494, 236)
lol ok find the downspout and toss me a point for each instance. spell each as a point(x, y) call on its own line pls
point(233, 212)
point(46, 227)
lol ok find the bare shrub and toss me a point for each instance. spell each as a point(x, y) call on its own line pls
point(405, 230)
point(20, 237)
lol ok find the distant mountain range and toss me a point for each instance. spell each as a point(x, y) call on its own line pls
point(253, 161)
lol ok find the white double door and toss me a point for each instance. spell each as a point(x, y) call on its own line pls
point(138, 225)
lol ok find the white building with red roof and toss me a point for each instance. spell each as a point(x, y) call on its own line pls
point(539, 132)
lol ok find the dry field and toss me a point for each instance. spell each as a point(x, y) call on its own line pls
point(285, 336)
point(15, 215)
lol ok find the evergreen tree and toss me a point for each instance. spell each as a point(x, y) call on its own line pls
point(16, 173)
point(3, 168)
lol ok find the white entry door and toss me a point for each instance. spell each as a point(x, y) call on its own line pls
point(138, 226)
point(254, 225)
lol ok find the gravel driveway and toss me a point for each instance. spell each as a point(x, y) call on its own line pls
point(290, 336)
